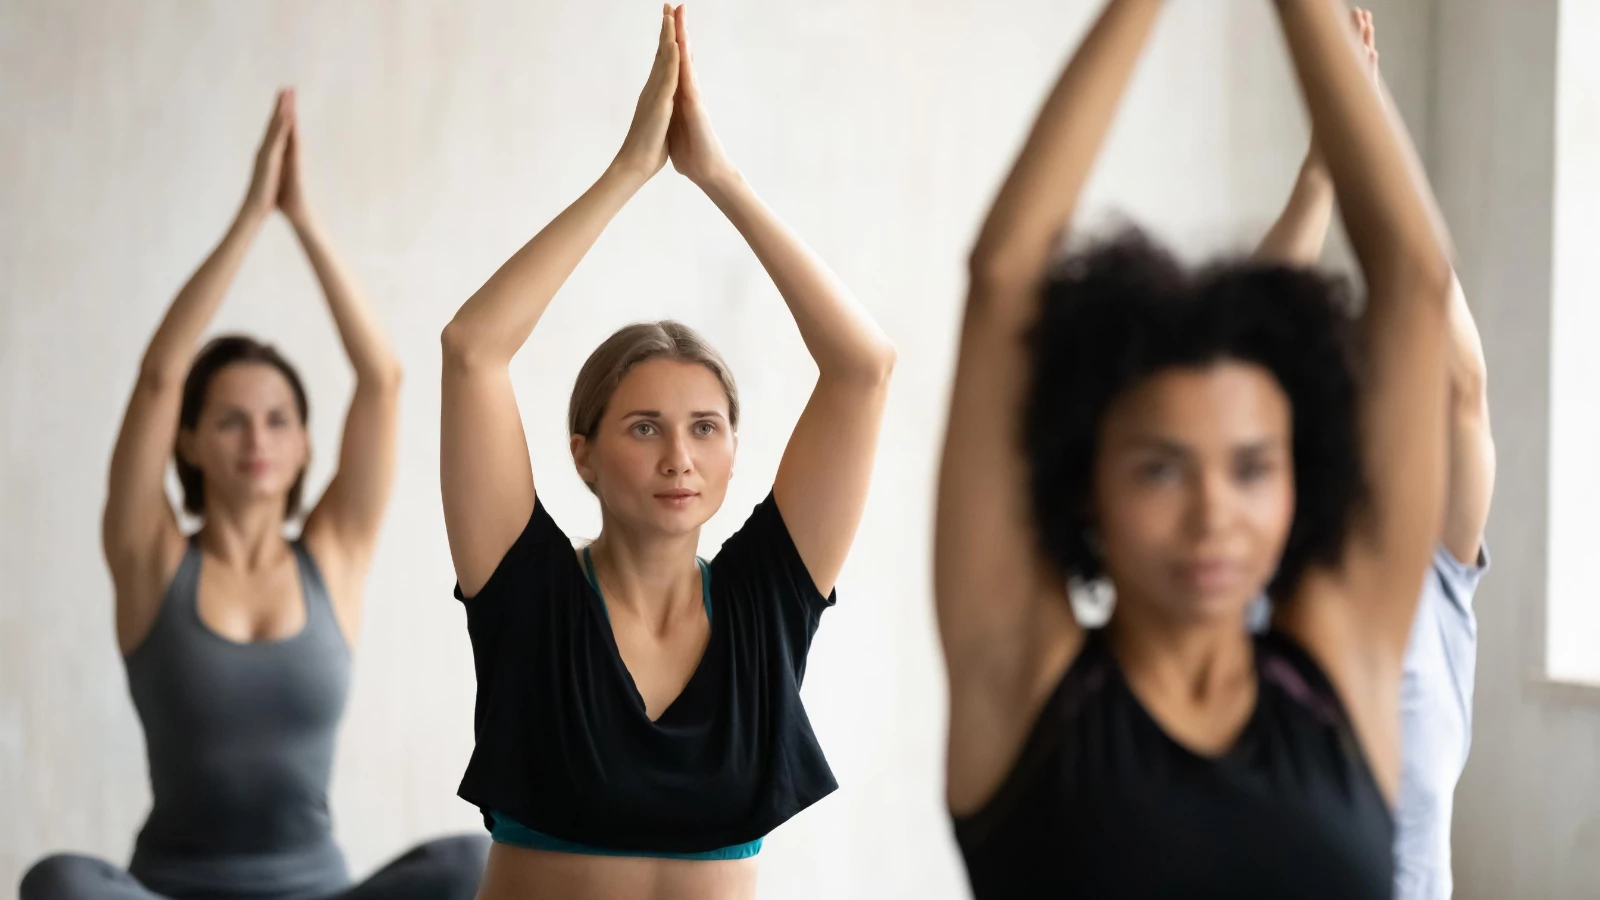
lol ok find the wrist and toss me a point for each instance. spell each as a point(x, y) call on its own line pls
point(250, 217)
point(721, 183)
point(628, 173)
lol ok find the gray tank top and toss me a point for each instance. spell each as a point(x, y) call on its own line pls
point(240, 740)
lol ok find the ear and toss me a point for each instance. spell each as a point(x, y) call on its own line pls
point(581, 449)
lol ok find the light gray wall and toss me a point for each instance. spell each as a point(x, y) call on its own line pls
point(441, 136)
point(1528, 809)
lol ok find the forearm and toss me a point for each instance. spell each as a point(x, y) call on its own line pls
point(365, 343)
point(494, 324)
point(1298, 236)
point(1394, 227)
point(1039, 195)
point(171, 349)
point(843, 339)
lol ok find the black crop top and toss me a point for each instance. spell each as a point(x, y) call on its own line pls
point(1103, 804)
point(563, 744)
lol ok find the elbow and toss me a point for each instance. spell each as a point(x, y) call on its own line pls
point(990, 267)
point(386, 377)
point(461, 349)
point(160, 376)
point(1428, 276)
point(880, 366)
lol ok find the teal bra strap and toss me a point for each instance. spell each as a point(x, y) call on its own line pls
point(705, 583)
point(507, 830)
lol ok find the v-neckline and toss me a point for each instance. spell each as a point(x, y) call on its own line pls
point(1234, 748)
point(592, 582)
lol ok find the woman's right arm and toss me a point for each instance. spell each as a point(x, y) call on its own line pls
point(138, 531)
point(1002, 613)
point(484, 472)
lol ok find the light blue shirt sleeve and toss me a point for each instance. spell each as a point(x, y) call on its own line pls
point(1436, 724)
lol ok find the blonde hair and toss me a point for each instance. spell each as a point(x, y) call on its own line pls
point(627, 347)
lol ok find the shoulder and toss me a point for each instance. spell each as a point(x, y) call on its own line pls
point(762, 556)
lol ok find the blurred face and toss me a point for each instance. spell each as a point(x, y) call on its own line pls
point(1194, 491)
point(250, 442)
point(663, 453)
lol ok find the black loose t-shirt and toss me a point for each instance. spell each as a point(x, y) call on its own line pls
point(563, 742)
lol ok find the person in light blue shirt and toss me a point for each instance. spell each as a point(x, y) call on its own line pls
point(1436, 694)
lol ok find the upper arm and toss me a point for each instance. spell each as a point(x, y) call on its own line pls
point(350, 512)
point(822, 481)
point(139, 529)
point(1471, 452)
point(485, 475)
point(1357, 618)
point(988, 571)
point(1005, 621)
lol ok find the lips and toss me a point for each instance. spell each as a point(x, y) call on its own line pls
point(1210, 574)
point(677, 495)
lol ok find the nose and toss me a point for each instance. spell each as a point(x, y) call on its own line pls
point(1210, 503)
point(675, 460)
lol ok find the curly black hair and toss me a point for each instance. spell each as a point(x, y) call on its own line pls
point(1123, 310)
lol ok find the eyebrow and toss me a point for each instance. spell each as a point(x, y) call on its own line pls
point(1163, 445)
point(656, 414)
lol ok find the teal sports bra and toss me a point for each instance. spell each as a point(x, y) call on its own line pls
point(506, 830)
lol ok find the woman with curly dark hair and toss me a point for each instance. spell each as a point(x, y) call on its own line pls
point(1187, 440)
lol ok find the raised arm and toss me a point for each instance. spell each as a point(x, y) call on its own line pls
point(821, 485)
point(485, 474)
point(139, 532)
point(1397, 236)
point(343, 527)
point(1471, 444)
point(1002, 610)
point(1298, 236)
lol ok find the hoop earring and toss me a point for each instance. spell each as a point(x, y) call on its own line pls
point(1093, 600)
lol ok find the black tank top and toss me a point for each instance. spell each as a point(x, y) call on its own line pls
point(1102, 803)
point(240, 738)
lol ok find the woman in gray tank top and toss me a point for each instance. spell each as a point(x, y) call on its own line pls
point(236, 640)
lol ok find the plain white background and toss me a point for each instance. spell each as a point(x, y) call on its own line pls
point(441, 136)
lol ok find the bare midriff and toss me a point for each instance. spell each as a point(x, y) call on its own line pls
point(517, 873)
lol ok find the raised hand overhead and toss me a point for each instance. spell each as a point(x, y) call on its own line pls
point(696, 153)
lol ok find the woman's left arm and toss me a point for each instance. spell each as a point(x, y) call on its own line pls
point(343, 527)
point(821, 486)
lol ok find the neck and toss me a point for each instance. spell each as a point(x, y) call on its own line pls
point(1196, 659)
point(249, 535)
point(647, 573)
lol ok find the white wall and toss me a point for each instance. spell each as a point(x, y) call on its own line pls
point(443, 135)
point(1528, 808)
point(1572, 628)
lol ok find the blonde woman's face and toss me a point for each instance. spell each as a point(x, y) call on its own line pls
point(663, 453)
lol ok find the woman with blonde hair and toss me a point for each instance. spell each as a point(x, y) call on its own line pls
point(639, 725)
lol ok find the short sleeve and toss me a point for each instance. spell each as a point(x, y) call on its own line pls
point(530, 557)
point(519, 603)
point(760, 563)
point(1459, 580)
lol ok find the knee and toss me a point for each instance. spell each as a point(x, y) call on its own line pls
point(58, 877)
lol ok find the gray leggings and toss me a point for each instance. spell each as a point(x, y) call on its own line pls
point(445, 869)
